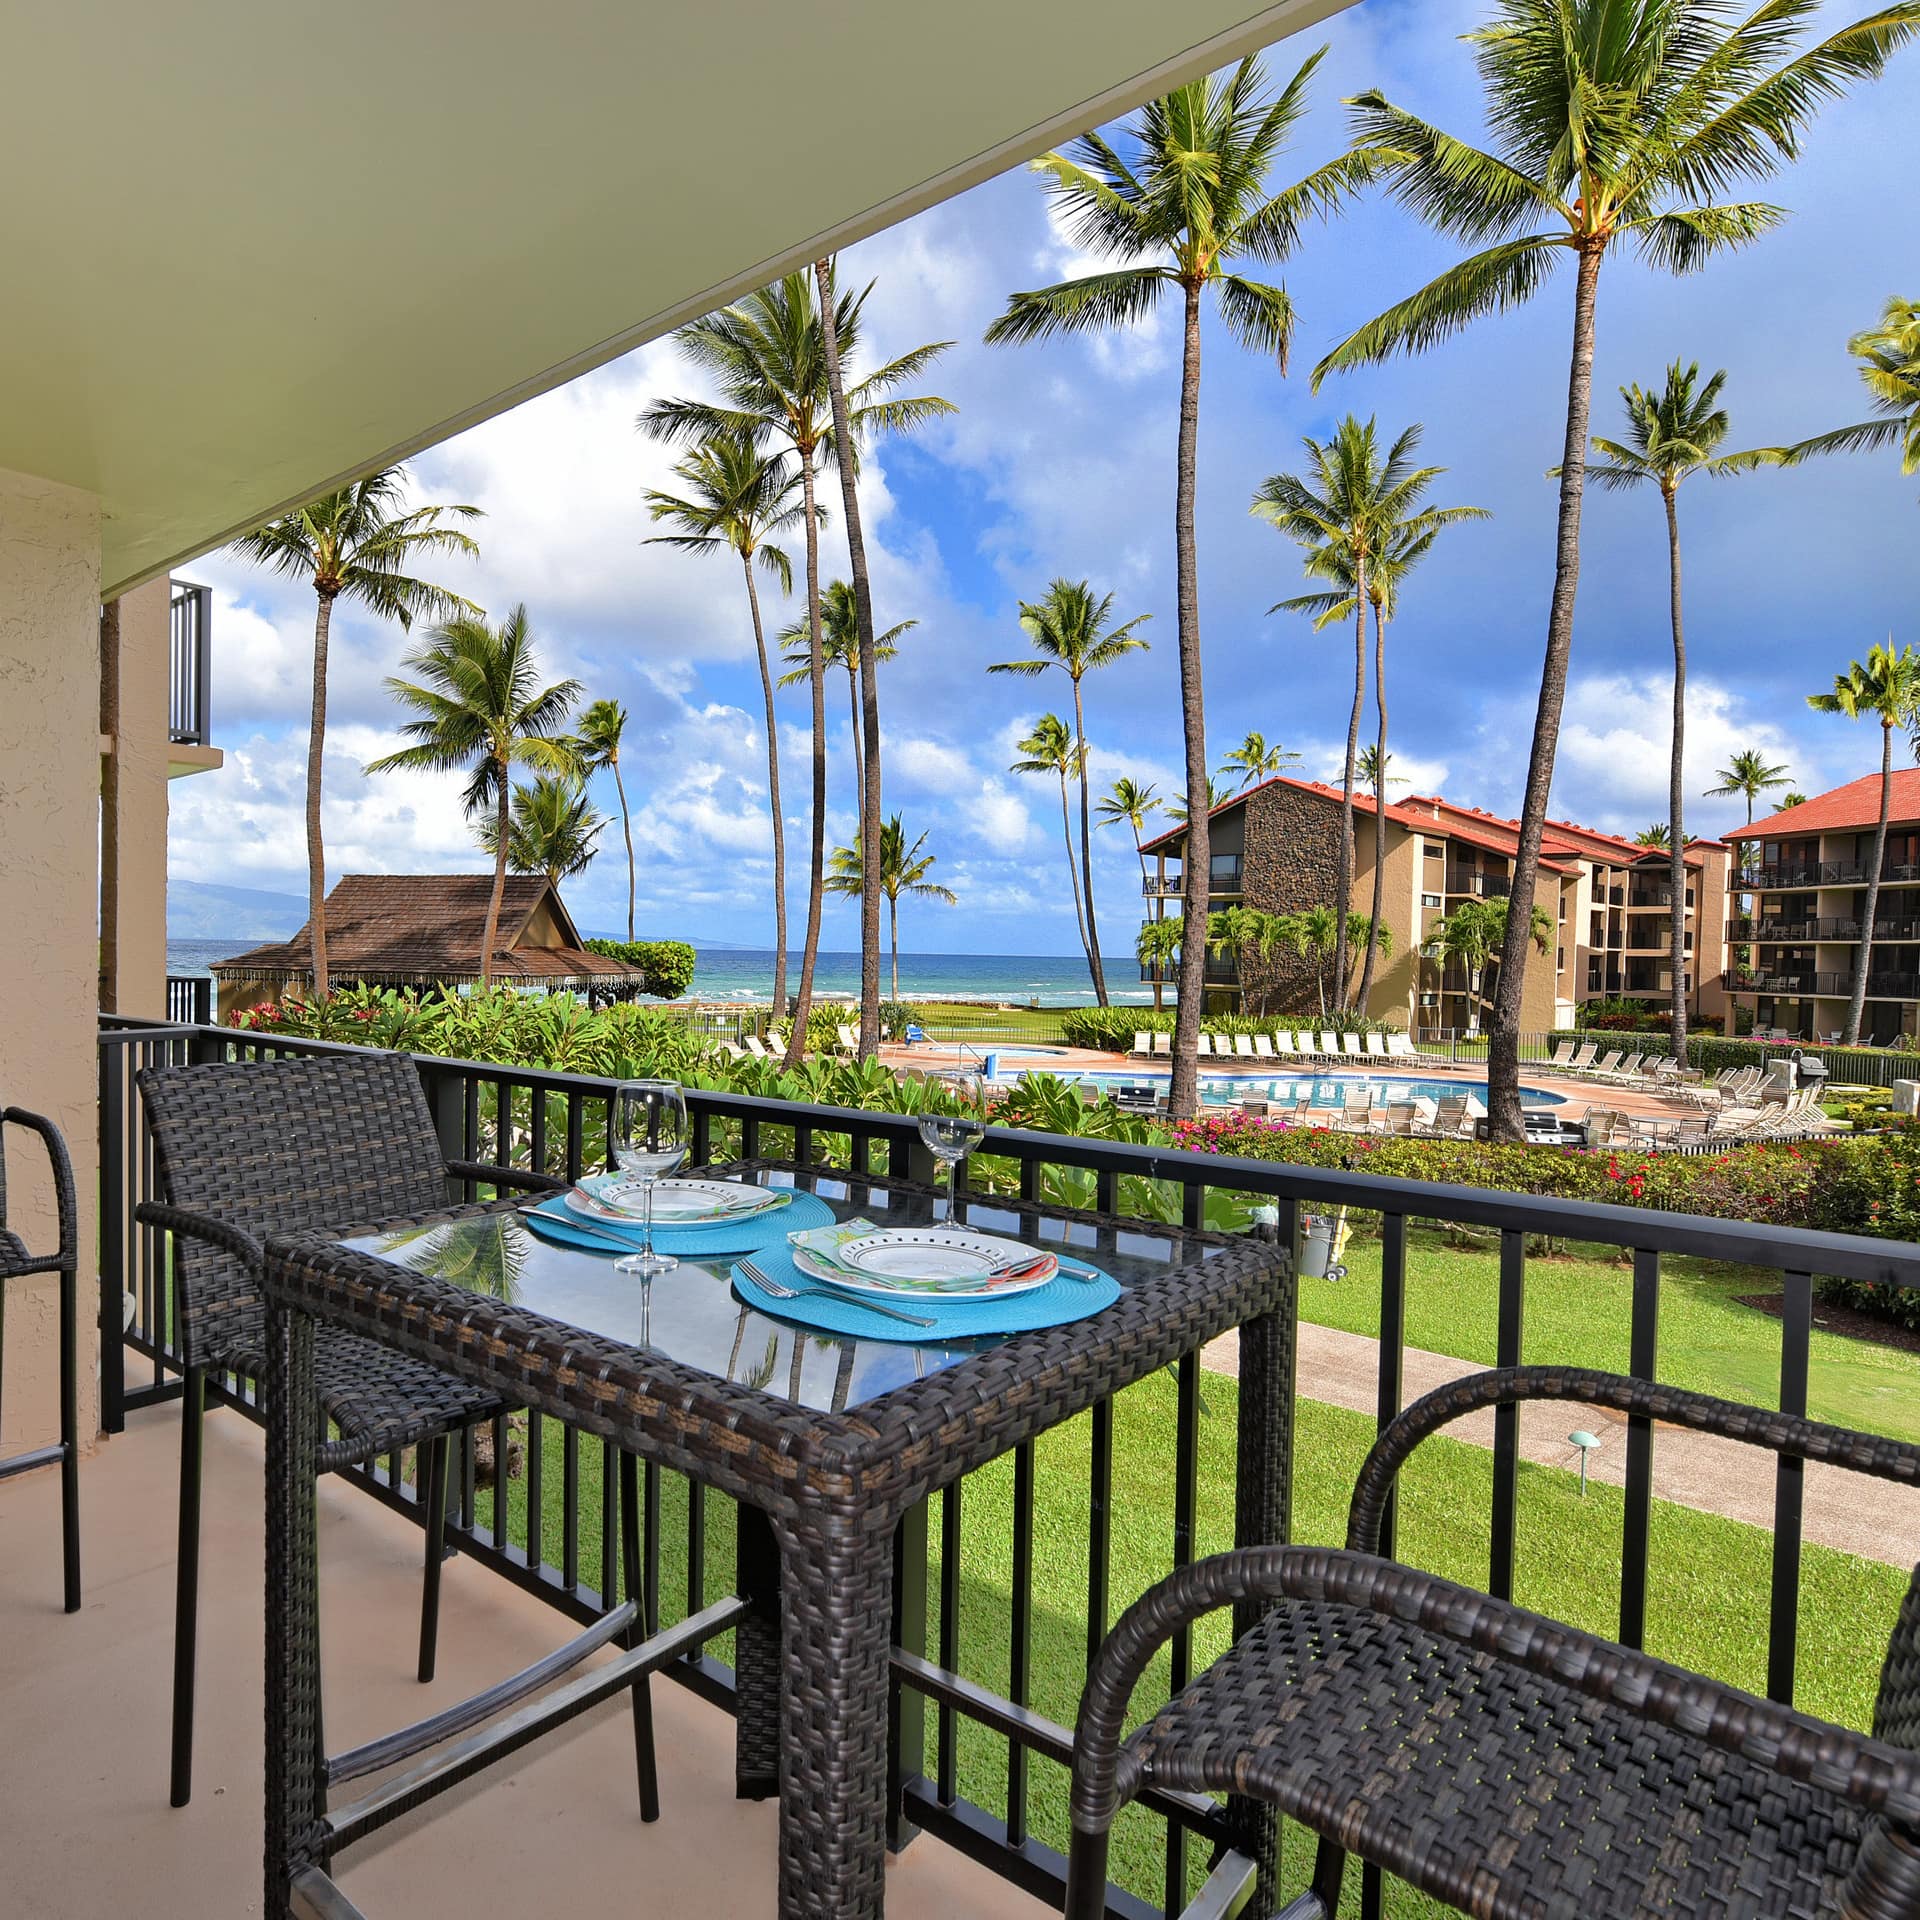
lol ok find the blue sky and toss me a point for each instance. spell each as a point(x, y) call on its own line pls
point(1059, 463)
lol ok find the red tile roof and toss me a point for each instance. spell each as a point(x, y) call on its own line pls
point(1855, 805)
point(1564, 841)
point(404, 927)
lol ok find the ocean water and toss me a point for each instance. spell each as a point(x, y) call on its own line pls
point(742, 973)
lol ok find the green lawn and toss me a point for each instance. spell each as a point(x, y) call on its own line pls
point(1577, 1315)
point(1708, 1604)
point(966, 1018)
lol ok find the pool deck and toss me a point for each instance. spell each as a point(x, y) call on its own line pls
point(935, 1056)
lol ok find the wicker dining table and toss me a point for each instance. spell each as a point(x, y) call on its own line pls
point(826, 1447)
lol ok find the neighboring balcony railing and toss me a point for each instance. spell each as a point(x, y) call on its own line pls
point(189, 999)
point(1492, 886)
point(190, 667)
point(1650, 897)
point(960, 1761)
point(1163, 886)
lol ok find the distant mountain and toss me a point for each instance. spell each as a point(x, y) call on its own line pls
point(201, 910)
point(692, 939)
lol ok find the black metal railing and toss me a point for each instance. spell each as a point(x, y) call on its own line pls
point(190, 999)
point(978, 1792)
point(190, 675)
point(1163, 886)
point(1492, 886)
point(1826, 927)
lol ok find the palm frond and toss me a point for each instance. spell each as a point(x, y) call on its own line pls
point(1259, 317)
point(1089, 305)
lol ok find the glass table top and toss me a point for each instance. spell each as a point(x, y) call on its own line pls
point(692, 1315)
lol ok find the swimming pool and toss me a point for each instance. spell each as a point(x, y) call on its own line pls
point(1328, 1089)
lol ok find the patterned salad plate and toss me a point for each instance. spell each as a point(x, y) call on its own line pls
point(952, 1262)
point(676, 1203)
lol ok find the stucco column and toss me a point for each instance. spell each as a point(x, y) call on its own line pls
point(49, 826)
point(135, 643)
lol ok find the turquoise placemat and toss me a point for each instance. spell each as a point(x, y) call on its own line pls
point(555, 1220)
point(830, 1311)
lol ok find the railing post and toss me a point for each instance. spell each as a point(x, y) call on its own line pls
point(113, 1242)
point(906, 1709)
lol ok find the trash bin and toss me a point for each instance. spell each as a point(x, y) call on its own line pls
point(1316, 1248)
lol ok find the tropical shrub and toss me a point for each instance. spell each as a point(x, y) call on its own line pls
point(666, 964)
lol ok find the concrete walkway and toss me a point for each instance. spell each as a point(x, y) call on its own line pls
point(1847, 1511)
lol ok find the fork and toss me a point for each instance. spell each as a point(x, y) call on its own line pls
point(781, 1291)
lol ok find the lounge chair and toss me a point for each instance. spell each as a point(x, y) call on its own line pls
point(1602, 1069)
point(1629, 1069)
point(1455, 1116)
point(1402, 1117)
point(1582, 1060)
point(1351, 1047)
point(849, 1039)
point(730, 1050)
point(1143, 1043)
point(755, 1046)
point(1561, 1060)
point(1602, 1124)
point(1356, 1108)
point(1289, 1045)
point(1204, 1046)
point(1163, 1043)
point(1400, 1047)
point(1262, 1047)
point(1375, 1045)
point(1243, 1046)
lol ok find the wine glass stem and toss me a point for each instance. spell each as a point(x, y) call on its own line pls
point(646, 1230)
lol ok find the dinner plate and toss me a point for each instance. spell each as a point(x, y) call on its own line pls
point(676, 1203)
point(948, 1261)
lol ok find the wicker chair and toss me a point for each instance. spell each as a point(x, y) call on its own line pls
point(1498, 1761)
point(248, 1150)
point(16, 1262)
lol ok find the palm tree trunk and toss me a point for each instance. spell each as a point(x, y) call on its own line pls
point(1379, 805)
point(869, 676)
point(1183, 1090)
point(1073, 870)
point(1863, 954)
point(773, 796)
point(817, 860)
point(1676, 799)
point(893, 937)
point(1344, 883)
point(491, 932)
point(626, 827)
point(1086, 849)
point(1503, 1050)
point(859, 767)
point(316, 849)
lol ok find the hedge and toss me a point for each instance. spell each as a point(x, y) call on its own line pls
point(666, 964)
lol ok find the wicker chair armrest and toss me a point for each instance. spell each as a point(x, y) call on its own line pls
point(61, 1168)
point(506, 1176)
point(1503, 1386)
point(203, 1226)
point(1878, 1778)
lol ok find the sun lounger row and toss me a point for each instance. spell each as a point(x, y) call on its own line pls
point(1284, 1044)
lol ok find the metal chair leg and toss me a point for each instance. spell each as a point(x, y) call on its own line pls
point(643, 1754)
point(432, 1465)
point(70, 1434)
point(186, 1604)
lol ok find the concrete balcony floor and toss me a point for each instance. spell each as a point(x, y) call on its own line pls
point(555, 1830)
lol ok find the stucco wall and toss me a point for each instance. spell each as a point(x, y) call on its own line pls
point(49, 826)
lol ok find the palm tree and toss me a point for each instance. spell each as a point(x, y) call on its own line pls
point(739, 500)
point(1050, 748)
point(1319, 935)
point(554, 829)
point(1793, 800)
point(1672, 435)
point(598, 745)
point(1887, 686)
point(483, 712)
point(1068, 629)
point(1128, 802)
point(845, 442)
point(1157, 945)
point(1359, 517)
point(1217, 796)
point(1178, 204)
point(1473, 937)
point(903, 869)
point(1656, 834)
point(1255, 761)
point(1616, 123)
point(1889, 357)
point(1370, 766)
point(839, 647)
point(356, 544)
point(1750, 773)
point(768, 356)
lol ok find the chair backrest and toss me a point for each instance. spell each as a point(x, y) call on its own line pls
point(1631, 1065)
point(1608, 1061)
point(1262, 1047)
point(1243, 1045)
point(1584, 1058)
point(1561, 1054)
point(1377, 1044)
point(1142, 1042)
point(1399, 1045)
point(1328, 1044)
point(1163, 1043)
point(283, 1146)
point(1357, 1099)
point(1204, 1046)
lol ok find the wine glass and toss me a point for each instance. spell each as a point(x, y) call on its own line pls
point(950, 1137)
point(649, 1139)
